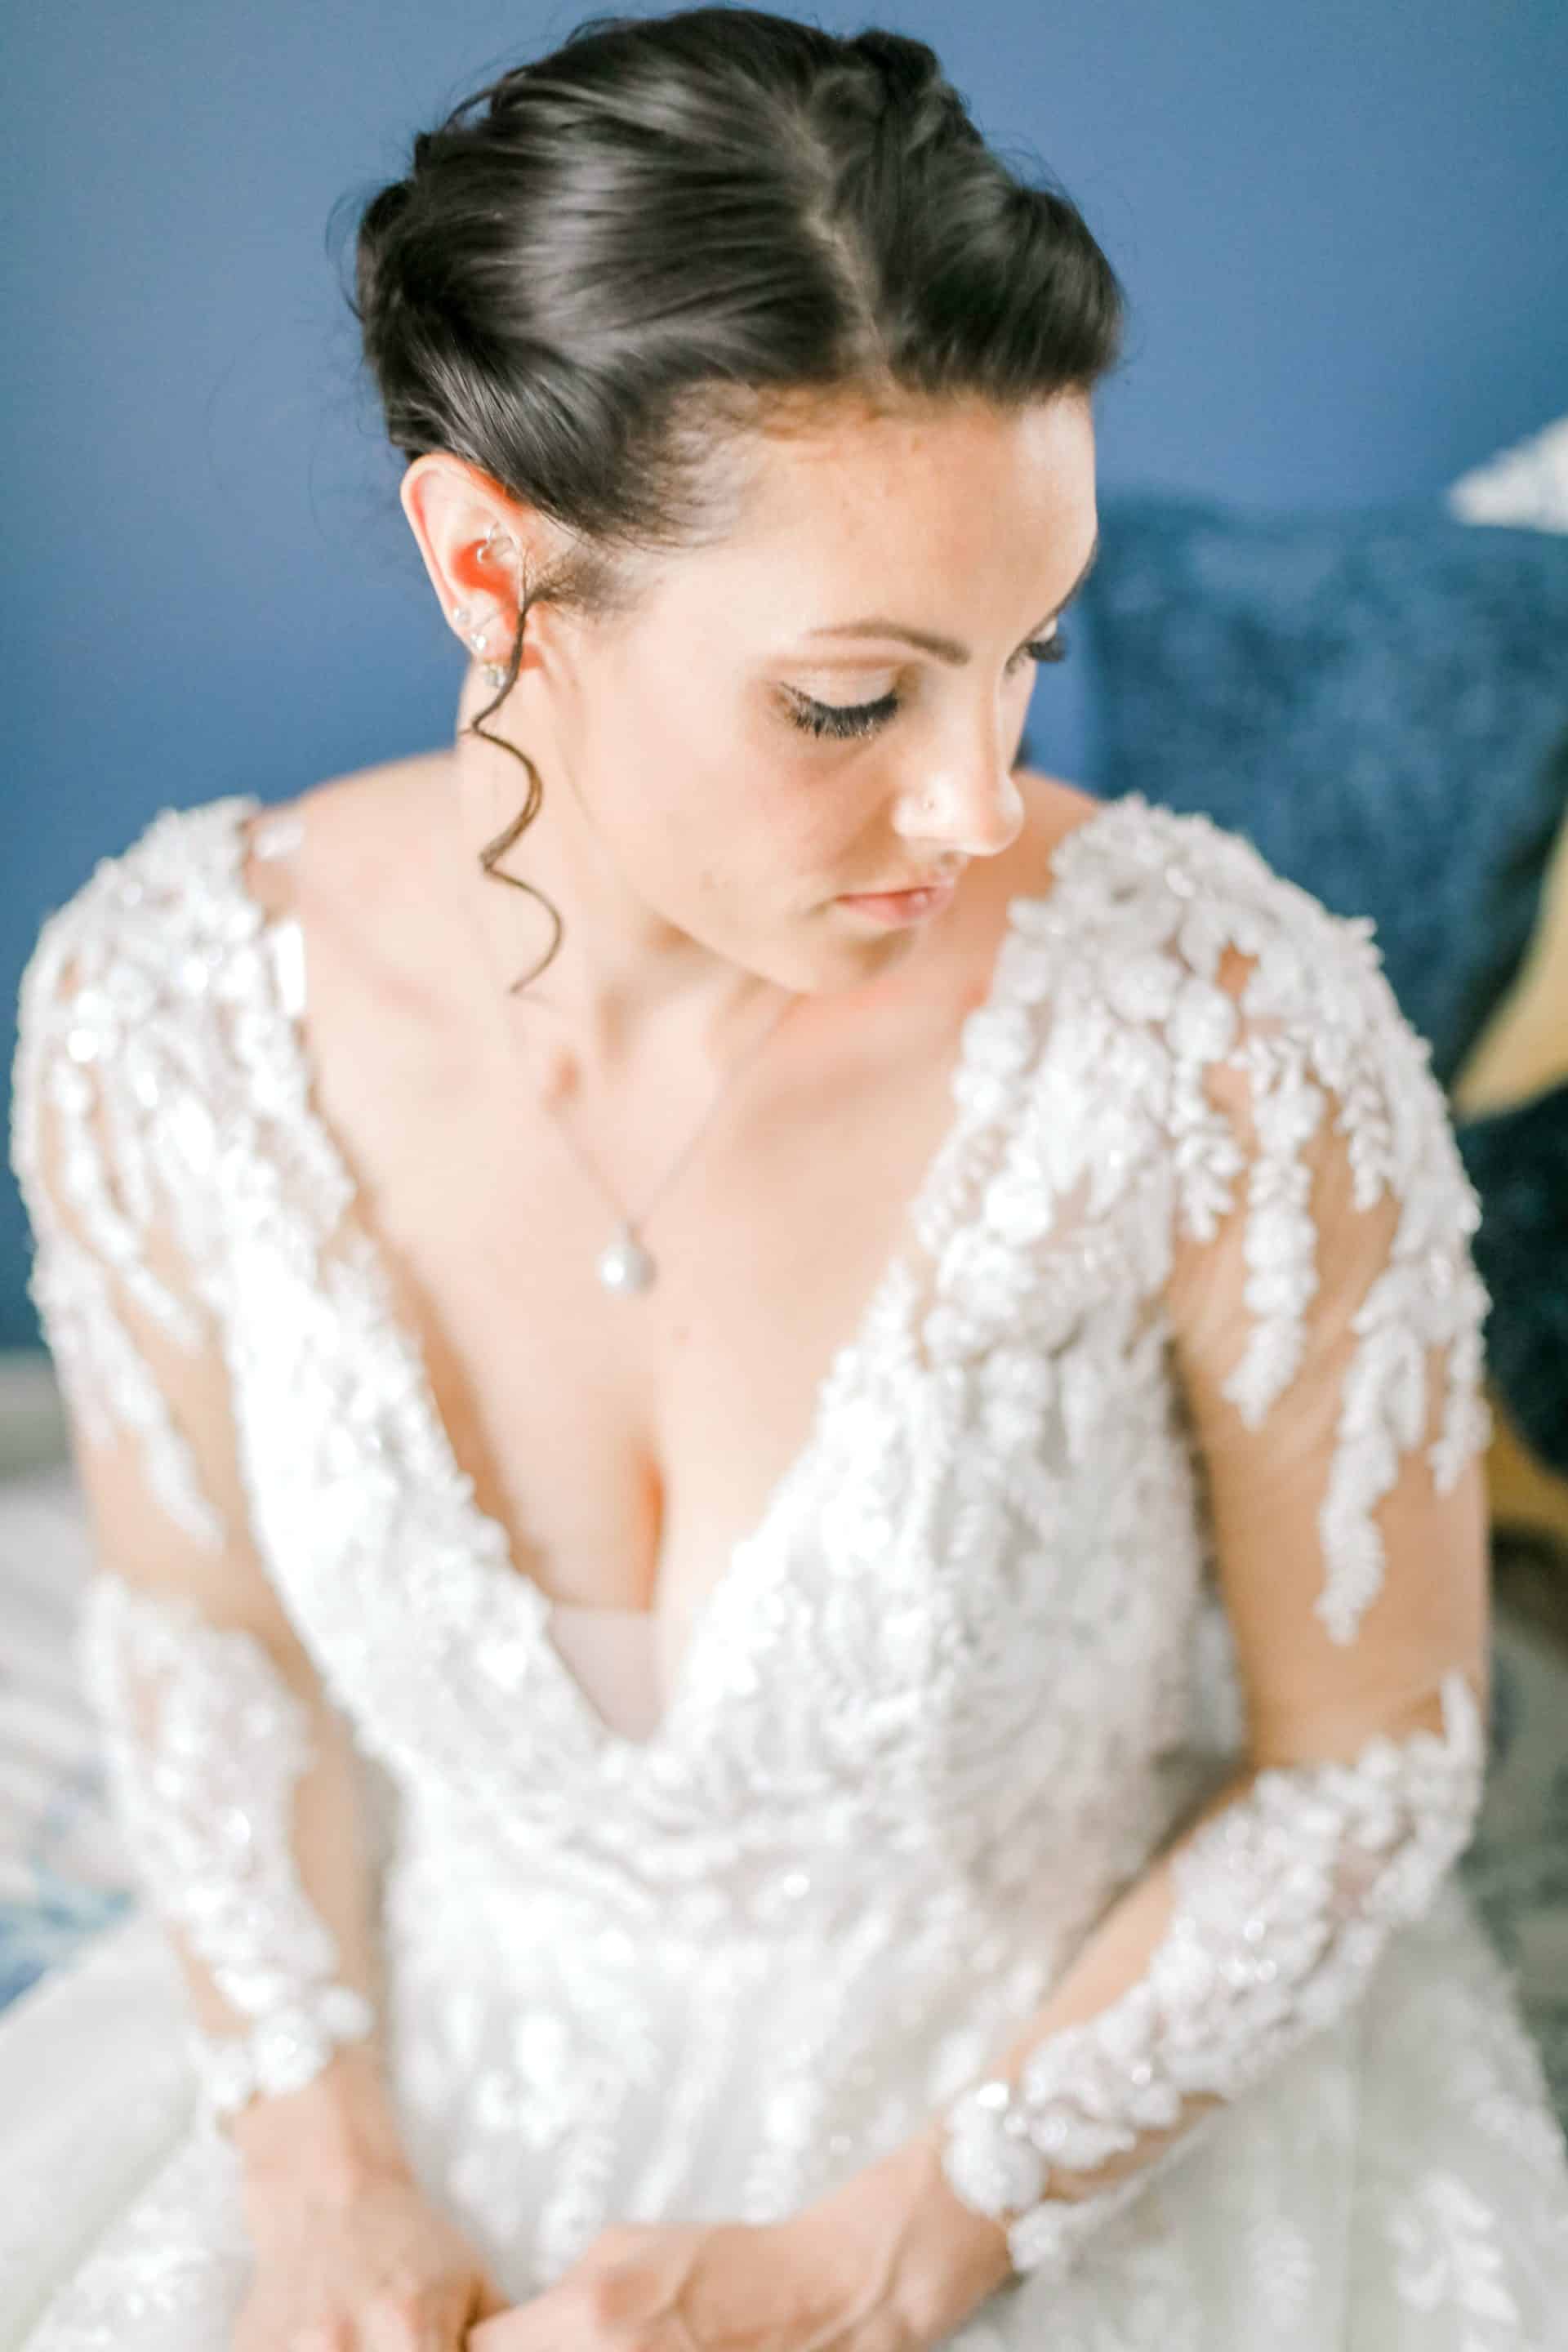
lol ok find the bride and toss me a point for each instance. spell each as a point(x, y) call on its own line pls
point(783, 1424)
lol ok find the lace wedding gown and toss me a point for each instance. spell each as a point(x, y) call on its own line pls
point(1148, 1482)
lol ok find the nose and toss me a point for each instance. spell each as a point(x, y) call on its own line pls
point(976, 812)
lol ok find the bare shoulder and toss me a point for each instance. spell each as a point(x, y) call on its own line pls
point(1066, 804)
point(359, 826)
point(1055, 808)
point(379, 792)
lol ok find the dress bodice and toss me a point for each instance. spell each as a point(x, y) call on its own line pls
point(1002, 1413)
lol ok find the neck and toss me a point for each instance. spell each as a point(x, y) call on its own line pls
point(624, 986)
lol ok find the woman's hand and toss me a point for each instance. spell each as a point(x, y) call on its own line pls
point(782, 2286)
point(889, 2262)
point(379, 2270)
point(797, 2285)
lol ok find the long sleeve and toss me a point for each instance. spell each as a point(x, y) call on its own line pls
point(232, 1777)
point(1324, 1321)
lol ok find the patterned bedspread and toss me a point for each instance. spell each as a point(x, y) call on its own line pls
point(62, 1876)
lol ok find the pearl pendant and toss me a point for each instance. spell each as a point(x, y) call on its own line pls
point(626, 1265)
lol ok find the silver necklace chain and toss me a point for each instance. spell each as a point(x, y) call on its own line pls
point(624, 1265)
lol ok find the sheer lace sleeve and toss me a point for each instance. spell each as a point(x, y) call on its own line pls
point(1324, 1321)
point(232, 1777)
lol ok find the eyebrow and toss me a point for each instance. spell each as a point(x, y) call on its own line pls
point(947, 650)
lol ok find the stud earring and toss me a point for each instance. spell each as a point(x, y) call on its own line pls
point(493, 673)
point(462, 618)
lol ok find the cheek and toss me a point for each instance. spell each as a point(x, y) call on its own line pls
point(717, 802)
point(816, 803)
point(804, 820)
point(754, 844)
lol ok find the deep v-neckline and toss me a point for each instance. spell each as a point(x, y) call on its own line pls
point(485, 1546)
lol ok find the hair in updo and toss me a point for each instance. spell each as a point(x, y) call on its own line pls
point(673, 228)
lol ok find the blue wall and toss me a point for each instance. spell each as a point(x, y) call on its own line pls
point(1341, 229)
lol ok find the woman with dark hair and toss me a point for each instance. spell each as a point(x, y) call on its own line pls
point(790, 1608)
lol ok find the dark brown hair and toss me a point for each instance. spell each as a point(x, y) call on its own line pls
point(674, 227)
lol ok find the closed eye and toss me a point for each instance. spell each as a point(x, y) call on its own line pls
point(842, 721)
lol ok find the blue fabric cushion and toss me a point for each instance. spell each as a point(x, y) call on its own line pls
point(1518, 1162)
point(1377, 698)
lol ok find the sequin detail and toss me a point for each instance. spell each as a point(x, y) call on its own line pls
point(206, 1744)
point(1284, 1902)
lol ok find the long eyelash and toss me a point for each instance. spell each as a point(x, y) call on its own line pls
point(842, 721)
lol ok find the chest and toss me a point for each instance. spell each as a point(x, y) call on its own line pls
point(989, 1509)
point(626, 1442)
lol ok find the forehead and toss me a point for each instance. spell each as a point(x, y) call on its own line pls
point(934, 505)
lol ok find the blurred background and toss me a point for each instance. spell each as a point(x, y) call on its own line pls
point(1332, 607)
point(1343, 231)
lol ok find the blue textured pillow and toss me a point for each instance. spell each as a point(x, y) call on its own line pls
point(1377, 698)
point(1518, 1162)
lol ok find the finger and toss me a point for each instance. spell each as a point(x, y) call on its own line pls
point(426, 2322)
point(488, 2306)
point(490, 2302)
point(381, 2325)
point(480, 2301)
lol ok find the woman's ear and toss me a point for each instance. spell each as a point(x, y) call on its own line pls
point(467, 534)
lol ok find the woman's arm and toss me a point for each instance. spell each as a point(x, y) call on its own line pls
point(231, 1775)
point(1325, 1317)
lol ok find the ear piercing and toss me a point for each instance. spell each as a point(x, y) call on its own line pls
point(462, 615)
point(493, 672)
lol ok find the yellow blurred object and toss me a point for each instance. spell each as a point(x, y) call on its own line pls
point(1524, 1045)
point(1522, 1050)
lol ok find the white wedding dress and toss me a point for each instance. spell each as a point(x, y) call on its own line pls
point(1071, 1513)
